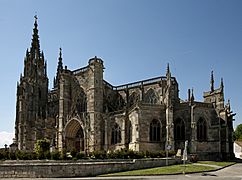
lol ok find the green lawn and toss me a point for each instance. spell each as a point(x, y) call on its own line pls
point(222, 164)
point(174, 169)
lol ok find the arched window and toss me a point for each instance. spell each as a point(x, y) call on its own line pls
point(133, 99)
point(129, 131)
point(201, 130)
point(116, 134)
point(81, 104)
point(151, 97)
point(155, 131)
point(39, 93)
point(119, 103)
point(179, 129)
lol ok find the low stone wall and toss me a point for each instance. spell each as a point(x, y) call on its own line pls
point(48, 169)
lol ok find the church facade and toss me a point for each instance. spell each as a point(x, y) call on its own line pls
point(85, 112)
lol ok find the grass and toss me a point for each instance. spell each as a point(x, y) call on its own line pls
point(222, 164)
point(174, 169)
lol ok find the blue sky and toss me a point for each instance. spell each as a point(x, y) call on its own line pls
point(136, 39)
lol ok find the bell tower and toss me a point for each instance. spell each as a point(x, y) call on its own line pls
point(32, 91)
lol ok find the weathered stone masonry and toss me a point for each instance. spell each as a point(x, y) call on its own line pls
point(63, 169)
point(85, 112)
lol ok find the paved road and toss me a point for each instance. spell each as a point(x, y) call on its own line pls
point(230, 173)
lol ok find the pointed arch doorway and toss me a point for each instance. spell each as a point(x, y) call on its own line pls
point(74, 136)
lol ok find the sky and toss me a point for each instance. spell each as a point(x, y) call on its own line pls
point(136, 39)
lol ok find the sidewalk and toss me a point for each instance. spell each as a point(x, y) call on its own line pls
point(208, 165)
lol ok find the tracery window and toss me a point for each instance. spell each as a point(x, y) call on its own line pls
point(155, 131)
point(179, 130)
point(129, 131)
point(133, 98)
point(201, 130)
point(116, 134)
point(39, 93)
point(81, 104)
point(151, 97)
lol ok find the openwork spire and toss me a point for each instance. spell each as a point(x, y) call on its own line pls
point(212, 82)
point(59, 69)
point(35, 45)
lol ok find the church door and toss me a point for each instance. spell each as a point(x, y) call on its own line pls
point(74, 136)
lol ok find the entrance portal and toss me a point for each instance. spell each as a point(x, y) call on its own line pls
point(74, 136)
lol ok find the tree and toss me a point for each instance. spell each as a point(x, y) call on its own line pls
point(238, 132)
point(42, 148)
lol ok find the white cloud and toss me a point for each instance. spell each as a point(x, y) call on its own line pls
point(6, 138)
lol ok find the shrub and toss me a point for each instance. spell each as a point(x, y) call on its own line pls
point(119, 154)
point(42, 152)
point(98, 155)
point(12, 156)
point(41, 155)
point(129, 154)
point(111, 155)
point(47, 155)
point(125, 154)
point(193, 158)
point(132, 154)
point(141, 154)
point(18, 154)
point(73, 152)
point(171, 153)
point(147, 154)
point(80, 155)
point(4, 155)
point(1, 156)
point(64, 154)
point(55, 155)
point(42, 148)
point(29, 156)
point(25, 155)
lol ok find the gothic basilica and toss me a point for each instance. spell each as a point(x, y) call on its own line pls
point(85, 112)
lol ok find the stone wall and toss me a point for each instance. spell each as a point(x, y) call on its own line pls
point(48, 169)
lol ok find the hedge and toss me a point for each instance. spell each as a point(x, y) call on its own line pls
point(74, 155)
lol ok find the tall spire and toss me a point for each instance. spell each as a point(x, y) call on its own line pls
point(60, 63)
point(212, 82)
point(35, 46)
point(59, 69)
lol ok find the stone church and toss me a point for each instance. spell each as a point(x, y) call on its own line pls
point(85, 112)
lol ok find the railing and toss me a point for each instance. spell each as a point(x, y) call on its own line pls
point(107, 84)
point(137, 84)
point(202, 104)
point(77, 71)
point(140, 83)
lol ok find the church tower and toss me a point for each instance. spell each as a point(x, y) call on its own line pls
point(32, 91)
point(95, 102)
